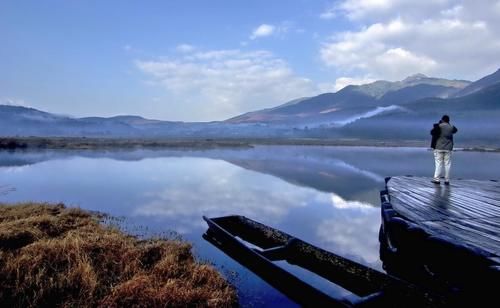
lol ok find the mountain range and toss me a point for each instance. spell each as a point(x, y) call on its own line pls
point(328, 108)
point(380, 110)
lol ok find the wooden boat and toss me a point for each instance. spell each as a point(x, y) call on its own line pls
point(258, 247)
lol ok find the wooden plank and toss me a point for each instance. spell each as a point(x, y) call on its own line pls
point(455, 200)
point(467, 211)
point(417, 209)
point(486, 192)
point(460, 189)
point(450, 206)
point(432, 202)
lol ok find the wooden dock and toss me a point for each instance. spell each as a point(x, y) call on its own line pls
point(449, 234)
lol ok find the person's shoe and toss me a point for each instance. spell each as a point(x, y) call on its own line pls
point(447, 183)
point(435, 182)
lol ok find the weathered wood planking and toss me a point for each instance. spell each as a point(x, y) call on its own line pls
point(467, 211)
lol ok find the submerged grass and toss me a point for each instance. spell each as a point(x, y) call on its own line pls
point(51, 255)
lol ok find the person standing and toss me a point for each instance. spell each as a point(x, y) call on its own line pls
point(442, 149)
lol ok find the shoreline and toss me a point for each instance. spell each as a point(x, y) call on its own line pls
point(84, 143)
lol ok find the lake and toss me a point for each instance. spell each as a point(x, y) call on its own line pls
point(327, 196)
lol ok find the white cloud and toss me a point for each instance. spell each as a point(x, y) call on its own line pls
point(279, 30)
point(400, 62)
point(185, 48)
point(262, 31)
point(379, 9)
point(329, 13)
point(12, 101)
point(343, 82)
point(397, 38)
point(453, 12)
point(219, 84)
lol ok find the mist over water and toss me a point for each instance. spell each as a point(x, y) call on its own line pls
point(327, 196)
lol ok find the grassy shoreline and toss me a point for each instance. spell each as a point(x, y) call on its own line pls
point(51, 255)
point(82, 143)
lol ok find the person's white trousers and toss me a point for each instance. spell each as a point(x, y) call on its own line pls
point(442, 158)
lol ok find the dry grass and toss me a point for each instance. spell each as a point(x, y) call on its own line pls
point(51, 255)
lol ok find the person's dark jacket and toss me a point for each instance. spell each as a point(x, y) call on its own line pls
point(435, 132)
point(445, 139)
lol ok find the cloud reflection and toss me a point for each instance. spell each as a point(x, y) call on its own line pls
point(217, 188)
point(352, 231)
point(340, 203)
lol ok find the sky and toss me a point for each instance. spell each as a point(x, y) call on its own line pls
point(186, 60)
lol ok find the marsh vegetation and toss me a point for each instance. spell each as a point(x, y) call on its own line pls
point(51, 255)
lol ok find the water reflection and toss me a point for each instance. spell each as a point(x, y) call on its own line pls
point(215, 188)
point(327, 196)
point(441, 197)
point(350, 231)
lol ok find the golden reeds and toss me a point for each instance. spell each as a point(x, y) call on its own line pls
point(51, 255)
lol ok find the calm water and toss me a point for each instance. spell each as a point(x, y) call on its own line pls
point(327, 196)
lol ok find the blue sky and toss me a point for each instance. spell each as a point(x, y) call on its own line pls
point(211, 60)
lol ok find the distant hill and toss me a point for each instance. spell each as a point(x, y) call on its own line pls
point(27, 113)
point(480, 84)
point(476, 115)
point(23, 121)
point(412, 93)
point(256, 116)
point(380, 88)
point(485, 100)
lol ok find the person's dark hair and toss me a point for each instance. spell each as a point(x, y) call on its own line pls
point(446, 119)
